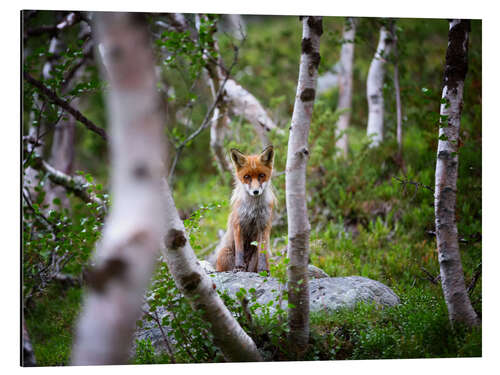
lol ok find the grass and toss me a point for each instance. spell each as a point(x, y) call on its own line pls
point(50, 321)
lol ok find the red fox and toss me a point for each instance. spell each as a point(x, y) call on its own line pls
point(245, 245)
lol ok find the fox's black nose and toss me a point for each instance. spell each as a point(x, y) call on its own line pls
point(255, 192)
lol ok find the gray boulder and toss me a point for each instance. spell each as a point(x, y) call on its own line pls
point(327, 294)
point(316, 272)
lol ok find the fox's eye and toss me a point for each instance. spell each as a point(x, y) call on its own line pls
point(262, 175)
point(247, 177)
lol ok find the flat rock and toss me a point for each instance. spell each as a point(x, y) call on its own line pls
point(327, 294)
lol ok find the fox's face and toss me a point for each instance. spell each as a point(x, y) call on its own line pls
point(254, 171)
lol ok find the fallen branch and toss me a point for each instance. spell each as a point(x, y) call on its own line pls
point(429, 276)
point(64, 104)
point(417, 185)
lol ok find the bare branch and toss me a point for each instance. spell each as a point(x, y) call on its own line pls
point(52, 96)
point(206, 119)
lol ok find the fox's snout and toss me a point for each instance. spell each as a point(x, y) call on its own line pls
point(253, 190)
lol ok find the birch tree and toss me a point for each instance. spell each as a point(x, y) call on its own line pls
point(452, 277)
point(397, 90)
point(125, 257)
point(375, 86)
point(297, 156)
point(345, 84)
point(201, 292)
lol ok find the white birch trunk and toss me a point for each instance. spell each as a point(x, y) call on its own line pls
point(201, 292)
point(375, 86)
point(61, 157)
point(298, 153)
point(218, 128)
point(397, 89)
point(345, 85)
point(452, 277)
point(126, 255)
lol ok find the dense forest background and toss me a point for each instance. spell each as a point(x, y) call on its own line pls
point(371, 214)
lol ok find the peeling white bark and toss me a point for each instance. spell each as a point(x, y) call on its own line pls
point(345, 84)
point(201, 292)
point(298, 154)
point(125, 257)
point(374, 88)
point(452, 278)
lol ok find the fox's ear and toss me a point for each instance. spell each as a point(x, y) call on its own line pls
point(239, 159)
point(267, 156)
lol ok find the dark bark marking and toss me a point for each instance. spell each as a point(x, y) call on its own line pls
point(98, 278)
point(315, 59)
point(374, 98)
point(141, 172)
point(456, 55)
point(307, 47)
point(191, 281)
point(116, 53)
point(445, 155)
point(316, 25)
point(308, 95)
point(175, 239)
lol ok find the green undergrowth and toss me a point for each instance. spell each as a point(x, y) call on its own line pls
point(50, 321)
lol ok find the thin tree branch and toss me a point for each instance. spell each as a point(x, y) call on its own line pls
point(77, 186)
point(69, 20)
point(155, 317)
point(52, 96)
point(207, 118)
point(473, 283)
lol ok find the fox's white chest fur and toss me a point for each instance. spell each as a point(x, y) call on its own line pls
point(254, 212)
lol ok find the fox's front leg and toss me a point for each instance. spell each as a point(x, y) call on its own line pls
point(239, 259)
point(263, 257)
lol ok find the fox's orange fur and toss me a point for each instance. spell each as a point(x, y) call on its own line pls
point(252, 205)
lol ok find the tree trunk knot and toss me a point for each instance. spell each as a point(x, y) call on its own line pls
point(315, 59)
point(316, 25)
point(191, 281)
point(98, 277)
point(307, 47)
point(175, 239)
point(141, 172)
point(308, 95)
